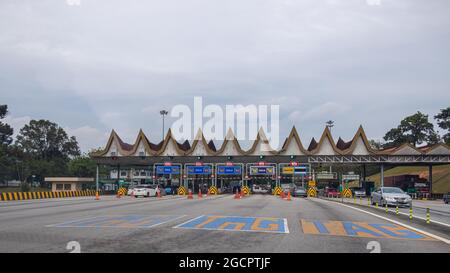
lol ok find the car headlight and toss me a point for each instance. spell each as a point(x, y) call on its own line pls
point(391, 199)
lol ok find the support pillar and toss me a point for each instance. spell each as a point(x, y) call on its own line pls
point(430, 178)
point(96, 179)
point(382, 175)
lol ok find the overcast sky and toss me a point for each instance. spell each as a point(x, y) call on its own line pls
point(108, 64)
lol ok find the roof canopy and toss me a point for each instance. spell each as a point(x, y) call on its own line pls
point(326, 146)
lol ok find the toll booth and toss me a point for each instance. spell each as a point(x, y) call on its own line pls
point(327, 180)
point(168, 174)
point(294, 173)
point(262, 174)
point(199, 176)
point(229, 176)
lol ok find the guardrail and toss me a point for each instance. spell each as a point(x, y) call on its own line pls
point(414, 212)
point(16, 196)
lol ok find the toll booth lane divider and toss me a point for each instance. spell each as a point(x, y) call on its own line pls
point(361, 229)
point(237, 223)
point(17, 196)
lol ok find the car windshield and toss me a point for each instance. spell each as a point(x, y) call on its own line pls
point(392, 190)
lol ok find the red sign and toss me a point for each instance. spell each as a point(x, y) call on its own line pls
point(261, 163)
point(198, 164)
point(167, 163)
point(229, 164)
point(294, 164)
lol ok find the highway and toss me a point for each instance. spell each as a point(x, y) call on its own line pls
point(212, 224)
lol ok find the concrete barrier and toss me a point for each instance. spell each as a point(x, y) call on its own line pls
point(18, 196)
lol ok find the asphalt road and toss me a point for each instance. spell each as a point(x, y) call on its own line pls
point(48, 226)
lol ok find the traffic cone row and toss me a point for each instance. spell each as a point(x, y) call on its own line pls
point(97, 197)
point(190, 195)
point(289, 196)
point(158, 194)
point(282, 195)
point(200, 193)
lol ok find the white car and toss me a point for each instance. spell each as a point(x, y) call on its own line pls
point(391, 196)
point(147, 191)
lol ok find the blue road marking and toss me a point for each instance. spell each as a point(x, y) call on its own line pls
point(237, 223)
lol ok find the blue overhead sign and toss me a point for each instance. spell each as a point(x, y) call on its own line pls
point(167, 169)
point(192, 170)
point(262, 170)
point(229, 170)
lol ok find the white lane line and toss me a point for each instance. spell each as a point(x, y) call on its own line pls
point(403, 213)
point(397, 223)
point(177, 226)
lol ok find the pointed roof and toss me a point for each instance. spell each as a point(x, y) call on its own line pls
point(293, 135)
point(260, 138)
point(200, 137)
point(312, 145)
point(326, 135)
point(180, 148)
point(230, 137)
point(352, 144)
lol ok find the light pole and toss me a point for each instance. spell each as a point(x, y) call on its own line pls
point(330, 124)
point(163, 113)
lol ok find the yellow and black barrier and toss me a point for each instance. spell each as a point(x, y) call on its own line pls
point(213, 190)
point(17, 196)
point(182, 190)
point(312, 192)
point(277, 191)
point(121, 191)
point(246, 190)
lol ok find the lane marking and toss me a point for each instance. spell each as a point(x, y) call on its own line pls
point(396, 222)
point(121, 221)
point(237, 223)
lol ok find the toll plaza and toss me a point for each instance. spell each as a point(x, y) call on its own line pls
point(262, 173)
point(229, 175)
point(199, 176)
point(168, 174)
point(294, 173)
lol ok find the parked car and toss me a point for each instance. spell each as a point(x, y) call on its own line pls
point(359, 192)
point(391, 196)
point(148, 190)
point(260, 189)
point(287, 188)
point(447, 198)
point(169, 190)
point(299, 192)
point(332, 192)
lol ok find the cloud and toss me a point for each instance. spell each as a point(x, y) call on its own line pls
point(88, 138)
point(317, 59)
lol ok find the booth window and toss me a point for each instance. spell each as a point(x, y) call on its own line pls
point(67, 187)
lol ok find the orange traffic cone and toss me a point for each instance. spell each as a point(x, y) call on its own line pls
point(289, 196)
point(242, 194)
point(282, 195)
point(118, 195)
point(158, 194)
point(237, 196)
point(200, 193)
point(190, 195)
point(97, 197)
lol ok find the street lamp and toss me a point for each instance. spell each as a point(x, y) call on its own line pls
point(163, 113)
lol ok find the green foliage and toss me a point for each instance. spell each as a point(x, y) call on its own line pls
point(414, 129)
point(25, 187)
point(82, 166)
point(443, 120)
point(6, 131)
point(45, 140)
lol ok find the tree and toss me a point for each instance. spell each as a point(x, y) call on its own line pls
point(414, 129)
point(46, 140)
point(6, 131)
point(44, 149)
point(82, 166)
point(443, 120)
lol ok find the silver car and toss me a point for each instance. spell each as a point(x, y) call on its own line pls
point(391, 196)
